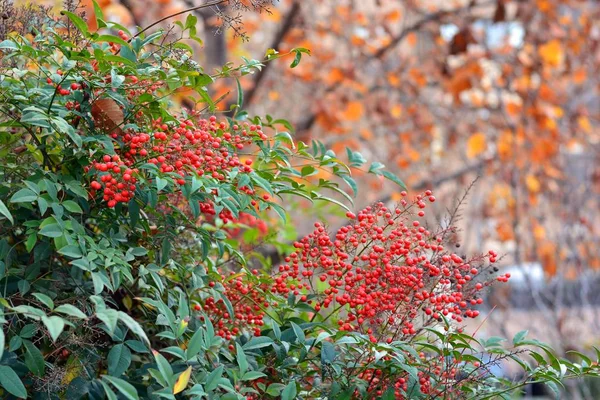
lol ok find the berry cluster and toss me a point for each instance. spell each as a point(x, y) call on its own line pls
point(384, 273)
point(201, 147)
point(248, 302)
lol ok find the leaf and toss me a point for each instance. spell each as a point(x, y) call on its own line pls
point(518, 338)
point(34, 359)
point(353, 111)
point(241, 358)
point(164, 367)
point(8, 45)
point(122, 386)
point(77, 21)
point(182, 380)
point(70, 310)
point(44, 299)
point(11, 382)
point(119, 359)
point(258, 342)
point(2, 341)
point(212, 380)
point(476, 145)
point(71, 206)
point(392, 177)
point(107, 115)
point(252, 375)
point(23, 196)
point(71, 250)
point(109, 317)
point(55, 326)
point(4, 211)
point(327, 353)
point(134, 326)
point(51, 230)
point(289, 393)
point(298, 332)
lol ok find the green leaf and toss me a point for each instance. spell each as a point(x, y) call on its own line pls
point(4, 211)
point(70, 310)
point(34, 359)
point(51, 230)
point(289, 393)
point(8, 45)
point(252, 375)
point(119, 359)
point(519, 337)
point(44, 299)
point(327, 353)
point(258, 342)
point(212, 380)
point(241, 358)
point(275, 389)
point(2, 340)
point(55, 326)
point(122, 386)
point(392, 177)
point(11, 382)
point(23, 196)
point(77, 21)
point(161, 183)
point(71, 250)
point(164, 368)
point(109, 317)
point(71, 206)
point(97, 11)
point(133, 326)
point(299, 332)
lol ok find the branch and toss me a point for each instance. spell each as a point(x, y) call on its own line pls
point(285, 28)
point(213, 3)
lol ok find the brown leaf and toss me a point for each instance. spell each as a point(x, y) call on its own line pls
point(107, 115)
point(461, 41)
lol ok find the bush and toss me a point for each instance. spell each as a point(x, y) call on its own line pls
point(128, 253)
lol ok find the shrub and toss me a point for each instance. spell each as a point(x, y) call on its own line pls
point(121, 261)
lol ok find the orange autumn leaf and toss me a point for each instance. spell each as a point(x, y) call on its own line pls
point(366, 134)
point(584, 124)
point(476, 145)
point(552, 53)
point(579, 76)
point(396, 111)
point(532, 183)
point(412, 39)
point(547, 256)
point(336, 75)
point(504, 231)
point(354, 111)
point(393, 15)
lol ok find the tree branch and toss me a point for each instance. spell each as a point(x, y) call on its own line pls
point(281, 34)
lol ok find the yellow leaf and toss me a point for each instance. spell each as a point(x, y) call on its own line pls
point(353, 111)
point(476, 145)
point(533, 184)
point(183, 380)
point(552, 53)
point(584, 124)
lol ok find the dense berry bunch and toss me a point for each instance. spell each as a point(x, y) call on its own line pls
point(384, 273)
point(248, 302)
point(200, 147)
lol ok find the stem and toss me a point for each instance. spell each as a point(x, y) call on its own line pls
point(213, 3)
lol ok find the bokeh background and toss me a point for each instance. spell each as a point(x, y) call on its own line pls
point(444, 92)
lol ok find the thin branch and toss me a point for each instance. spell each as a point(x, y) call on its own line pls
point(285, 28)
point(211, 4)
